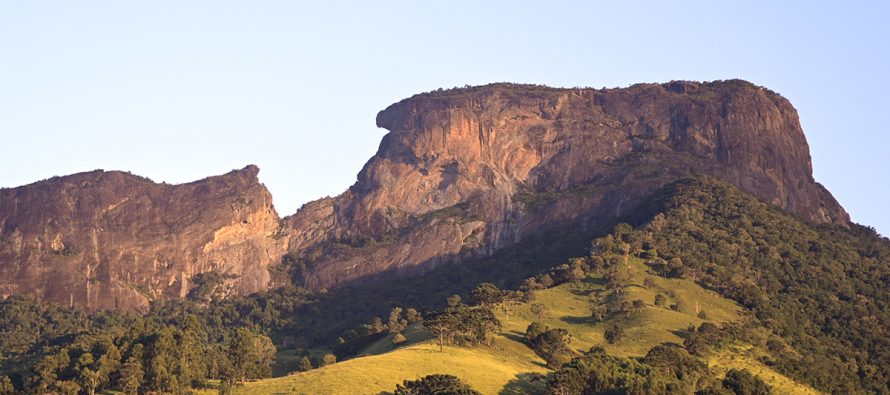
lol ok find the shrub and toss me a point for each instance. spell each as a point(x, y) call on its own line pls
point(438, 384)
point(742, 382)
point(613, 334)
point(399, 339)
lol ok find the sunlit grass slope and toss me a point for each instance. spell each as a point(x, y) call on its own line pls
point(508, 366)
point(487, 369)
point(569, 307)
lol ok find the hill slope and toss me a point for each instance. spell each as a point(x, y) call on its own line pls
point(509, 366)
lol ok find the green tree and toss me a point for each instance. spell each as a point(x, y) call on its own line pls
point(538, 311)
point(599, 312)
point(131, 375)
point(486, 294)
point(161, 357)
point(613, 334)
point(44, 372)
point(396, 323)
point(552, 345)
point(742, 382)
point(6, 387)
point(438, 384)
point(89, 377)
point(412, 316)
point(67, 387)
point(305, 364)
point(328, 359)
point(398, 339)
point(251, 355)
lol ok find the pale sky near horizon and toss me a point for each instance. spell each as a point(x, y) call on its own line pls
point(177, 91)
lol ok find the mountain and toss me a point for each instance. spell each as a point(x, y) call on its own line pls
point(662, 238)
point(462, 174)
point(466, 172)
point(112, 240)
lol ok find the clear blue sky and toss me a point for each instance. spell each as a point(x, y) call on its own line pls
point(176, 90)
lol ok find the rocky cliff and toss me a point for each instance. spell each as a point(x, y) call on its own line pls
point(461, 173)
point(465, 172)
point(114, 240)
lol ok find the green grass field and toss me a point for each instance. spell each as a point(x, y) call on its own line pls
point(487, 369)
point(508, 366)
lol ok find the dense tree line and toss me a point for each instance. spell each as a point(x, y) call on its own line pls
point(666, 369)
point(823, 289)
point(47, 348)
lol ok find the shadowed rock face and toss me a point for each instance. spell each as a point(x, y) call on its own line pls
point(469, 171)
point(461, 173)
point(114, 240)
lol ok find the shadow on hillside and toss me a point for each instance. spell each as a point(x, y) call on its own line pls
point(582, 292)
point(683, 334)
point(526, 383)
point(515, 336)
point(582, 320)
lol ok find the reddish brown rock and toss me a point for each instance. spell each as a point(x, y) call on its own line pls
point(468, 171)
point(114, 240)
point(461, 173)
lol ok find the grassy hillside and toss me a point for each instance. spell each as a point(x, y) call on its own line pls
point(508, 366)
point(569, 306)
point(487, 369)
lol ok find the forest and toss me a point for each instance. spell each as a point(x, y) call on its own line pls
point(814, 298)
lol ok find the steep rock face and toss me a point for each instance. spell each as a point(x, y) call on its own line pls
point(114, 240)
point(468, 171)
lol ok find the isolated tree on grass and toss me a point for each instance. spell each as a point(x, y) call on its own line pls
point(442, 329)
point(613, 334)
point(538, 311)
point(438, 384)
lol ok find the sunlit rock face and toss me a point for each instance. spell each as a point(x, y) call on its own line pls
point(461, 173)
point(469, 171)
point(112, 240)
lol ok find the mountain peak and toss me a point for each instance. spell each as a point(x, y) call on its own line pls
point(469, 170)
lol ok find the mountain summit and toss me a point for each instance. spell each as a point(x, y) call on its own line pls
point(465, 172)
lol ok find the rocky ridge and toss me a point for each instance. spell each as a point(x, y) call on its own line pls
point(466, 172)
point(461, 173)
point(112, 240)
